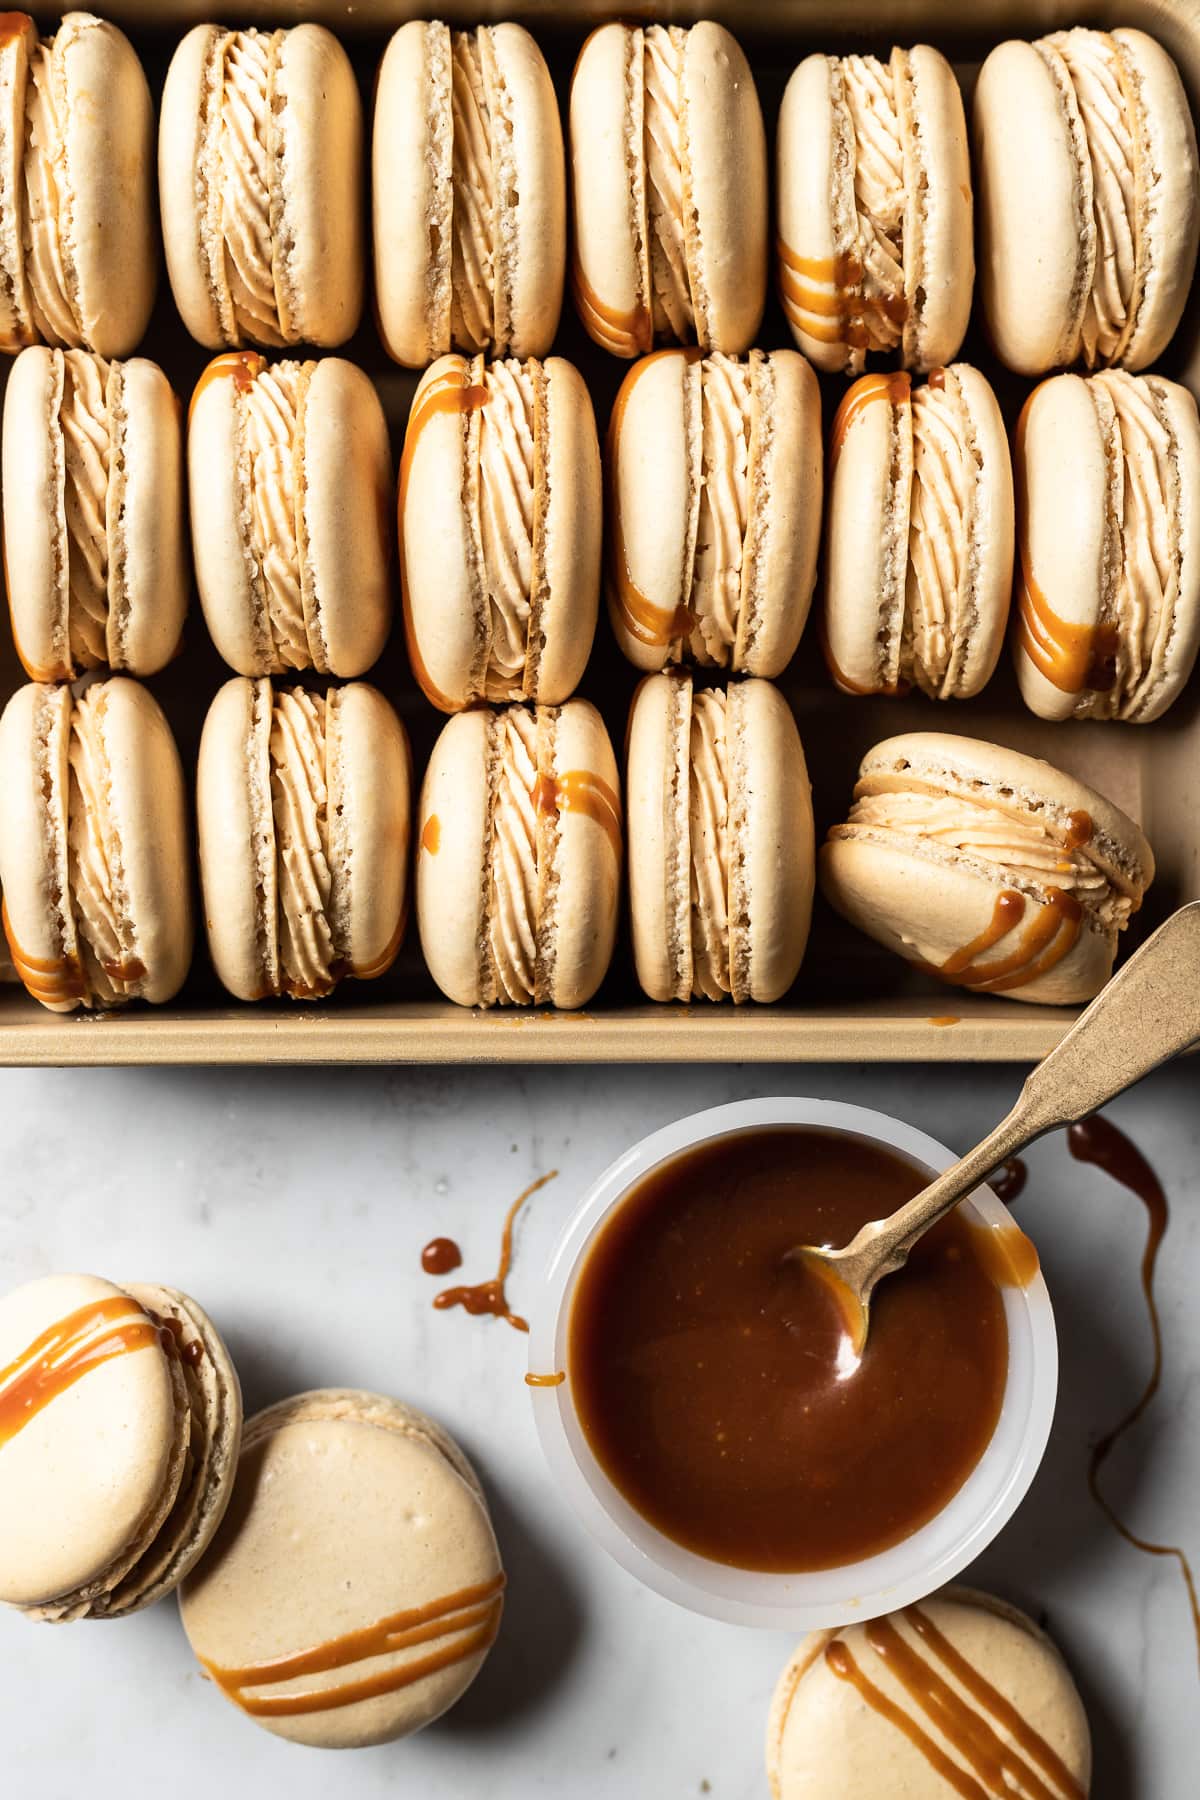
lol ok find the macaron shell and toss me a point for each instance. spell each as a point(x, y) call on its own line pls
point(34, 737)
point(81, 1479)
point(1180, 406)
point(348, 509)
point(237, 836)
point(539, 216)
point(653, 501)
point(785, 537)
point(181, 151)
point(154, 567)
point(771, 823)
point(866, 537)
point(452, 833)
point(322, 201)
point(16, 48)
point(404, 200)
point(587, 862)
point(608, 185)
point(1172, 218)
point(939, 260)
point(571, 535)
point(34, 521)
point(726, 159)
point(219, 526)
point(812, 192)
point(657, 774)
point(370, 782)
point(994, 528)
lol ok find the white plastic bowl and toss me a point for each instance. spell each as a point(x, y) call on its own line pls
point(808, 1600)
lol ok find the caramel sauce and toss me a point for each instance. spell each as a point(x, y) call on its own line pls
point(431, 834)
point(1008, 1183)
point(471, 1617)
point(488, 1298)
point(648, 623)
point(1080, 829)
point(944, 1019)
point(1045, 940)
point(623, 333)
point(710, 1374)
point(242, 367)
point(936, 379)
point(67, 1351)
point(822, 296)
point(553, 1380)
point(52, 980)
point(895, 388)
point(171, 1336)
point(13, 25)
point(1010, 1258)
point(440, 1255)
point(580, 791)
point(1099, 1142)
point(1007, 913)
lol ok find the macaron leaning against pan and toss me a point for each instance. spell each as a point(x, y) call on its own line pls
point(874, 241)
point(500, 522)
point(302, 804)
point(260, 181)
point(290, 484)
point(1108, 603)
point(720, 840)
point(961, 1694)
point(94, 556)
point(120, 1418)
point(94, 858)
point(1089, 213)
point(714, 496)
point(919, 535)
point(987, 869)
point(669, 181)
point(355, 1588)
point(78, 241)
point(519, 856)
point(468, 194)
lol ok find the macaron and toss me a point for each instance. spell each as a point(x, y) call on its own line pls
point(94, 859)
point(1108, 602)
point(500, 521)
point(961, 1694)
point(302, 807)
point(94, 556)
point(714, 495)
point(720, 840)
point(290, 483)
point(669, 182)
point(919, 547)
point(78, 237)
point(519, 851)
point(120, 1418)
point(874, 245)
point(355, 1587)
point(1089, 199)
point(987, 869)
point(468, 194)
point(261, 185)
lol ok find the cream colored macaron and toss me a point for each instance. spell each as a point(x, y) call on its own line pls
point(468, 194)
point(519, 850)
point(720, 840)
point(261, 183)
point(987, 869)
point(962, 1694)
point(78, 238)
point(290, 483)
point(874, 243)
point(302, 807)
point(500, 519)
point(94, 556)
point(355, 1587)
point(1108, 604)
point(714, 495)
point(120, 1418)
point(94, 859)
point(919, 544)
point(1089, 205)
point(669, 181)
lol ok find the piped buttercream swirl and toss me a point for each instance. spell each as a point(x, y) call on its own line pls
point(49, 275)
point(940, 511)
point(270, 408)
point(879, 195)
point(507, 447)
point(512, 909)
point(94, 861)
point(299, 805)
point(725, 423)
point(244, 182)
point(473, 236)
point(670, 281)
point(708, 820)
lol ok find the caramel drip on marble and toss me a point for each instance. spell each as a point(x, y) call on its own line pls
point(580, 791)
point(648, 623)
point(67, 1351)
point(489, 1297)
point(471, 1617)
point(1045, 940)
point(822, 296)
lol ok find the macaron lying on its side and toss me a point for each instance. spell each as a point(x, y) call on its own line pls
point(120, 1419)
point(959, 1694)
point(302, 807)
point(1089, 204)
point(874, 245)
point(720, 840)
point(669, 182)
point(500, 520)
point(94, 858)
point(714, 494)
point(355, 1587)
point(78, 244)
point(93, 514)
point(987, 869)
point(468, 194)
point(260, 180)
point(1108, 604)
point(290, 483)
point(919, 546)
point(519, 851)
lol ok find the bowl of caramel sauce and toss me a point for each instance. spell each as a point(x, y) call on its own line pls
point(700, 1403)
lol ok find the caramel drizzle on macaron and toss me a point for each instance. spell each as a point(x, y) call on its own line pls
point(823, 297)
point(470, 1617)
point(1027, 1764)
point(581, 791)
point(242, 367)
point(67, 1351)
point(896, 390)
point(648, 623)
point(623, 332)
point(52, 980)
point(1045, 940)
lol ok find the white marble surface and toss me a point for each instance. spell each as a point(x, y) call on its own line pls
point(295, 1205)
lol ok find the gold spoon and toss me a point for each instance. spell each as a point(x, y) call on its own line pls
point(1148, 1012)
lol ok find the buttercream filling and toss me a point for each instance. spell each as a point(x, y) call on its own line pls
point(103, 927)
point(50, 277)
point(244, 186)
point(725, 421)
point(940, 511)
point(708, 822)
point(869, 88)
point(473, 233)
point(512, 911)
point(270, 408)
point(299, 806)
point(671, 300)
point(87, 449)
point(1148, 581)
point(506, 506)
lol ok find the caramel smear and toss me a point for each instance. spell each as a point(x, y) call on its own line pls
point(488, 1298)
